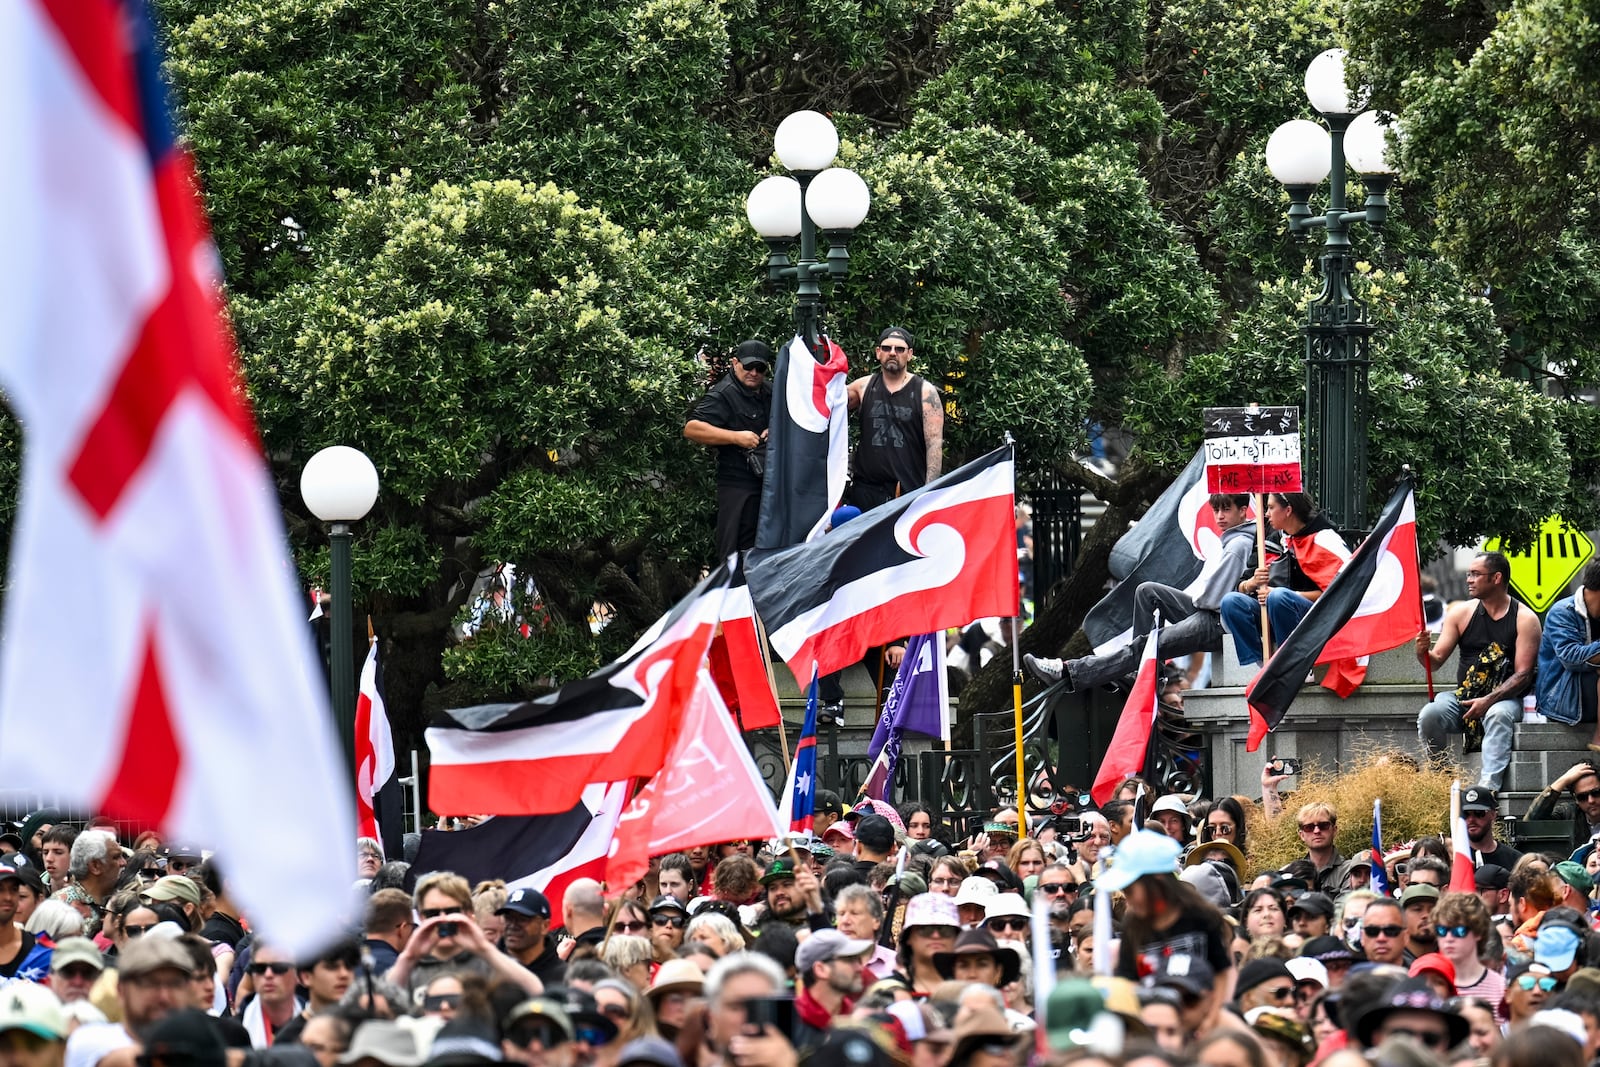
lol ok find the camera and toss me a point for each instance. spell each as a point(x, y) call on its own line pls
point(777, 1012)
point(445, 929)
point(1286, 766)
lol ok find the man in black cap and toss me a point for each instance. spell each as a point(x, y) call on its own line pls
point(1335, 955)
point(1492, 885)
point(527, 938)
point(732, 417)
point(668, 917)
point(874, 842)
point(1265, 983)
point(1311, 915)
point(902, 426)
point(1480, 807)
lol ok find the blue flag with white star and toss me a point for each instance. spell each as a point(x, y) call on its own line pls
point(800, 803)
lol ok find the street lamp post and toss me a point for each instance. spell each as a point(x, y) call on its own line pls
point(339, 484)
point(1338, 328)
point(818, 198)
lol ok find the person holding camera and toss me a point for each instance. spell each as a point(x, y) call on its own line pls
point(745, 992)
point(449, 941)
point(732, 417)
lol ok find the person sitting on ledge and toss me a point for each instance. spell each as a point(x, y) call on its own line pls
point(1569, 652)
point(1313, 554)
point(1499, 651)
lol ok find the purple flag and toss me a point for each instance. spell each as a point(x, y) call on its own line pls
point(917, 703)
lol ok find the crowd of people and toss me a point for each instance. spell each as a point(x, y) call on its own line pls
point(1137, 934)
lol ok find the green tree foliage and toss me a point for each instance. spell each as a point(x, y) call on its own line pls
point(484, 239)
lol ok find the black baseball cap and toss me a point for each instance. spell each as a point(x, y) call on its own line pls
point(876, 832)
point(1491, 876)
point(897, 331)
point(748, 352)
point(1479, 798)
point(529, 902)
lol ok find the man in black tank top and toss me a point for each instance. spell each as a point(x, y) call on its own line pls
point(1499, 641)
point(901, 447)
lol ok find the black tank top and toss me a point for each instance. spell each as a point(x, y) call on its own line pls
point(1481, 632)
point(892, 449)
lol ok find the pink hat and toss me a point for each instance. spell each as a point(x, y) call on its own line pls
point(842, 829)
point(931, 909)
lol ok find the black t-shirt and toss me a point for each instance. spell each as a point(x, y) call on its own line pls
point(728, 405)
point(8, 969)
point(1190, 936)
point(223, 929)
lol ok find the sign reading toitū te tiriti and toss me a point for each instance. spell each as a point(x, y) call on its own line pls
point(1252, 450)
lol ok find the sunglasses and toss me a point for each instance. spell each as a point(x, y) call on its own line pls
point(546, 1036)
point(592, 1035)
point(80, 972)
point(434, 913)
point(440, 1001)
point(1281, 993)
point(1007, 922)
point(1528, 981)
point(135, 931)
point(759, 368)
point(275, 968)
point(677, 922)
point(1453, 931)
point(616, 1011)
point(1222, 827)
point(1425, 1038)
point(1352, 922)
point(1057, 888)
point(894, 348)
point(1383, 931)
point(1584, 798)
point(629, 928)
point(1321, 826)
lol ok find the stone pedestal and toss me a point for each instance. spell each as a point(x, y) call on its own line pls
point(1331, 732)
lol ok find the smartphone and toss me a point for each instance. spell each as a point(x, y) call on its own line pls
point(445, 929)
point(1286, 766)
point(777, 1012)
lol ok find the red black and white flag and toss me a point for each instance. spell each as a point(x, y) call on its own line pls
point(808, 444)
point(536, 758)
point(937, 557)
point(374, 748)
point(739, 663)
point(1373, 604)
point(145, 497)
point(543, 852)
point(1130, 742)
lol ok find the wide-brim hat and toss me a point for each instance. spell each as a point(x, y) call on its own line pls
point(983, 1026)
point(1200, 852)
point(979, 942)
point(677, 976)
point(930, 909)
point(1413, 994)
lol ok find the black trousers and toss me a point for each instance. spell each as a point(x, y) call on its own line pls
point(738, 509)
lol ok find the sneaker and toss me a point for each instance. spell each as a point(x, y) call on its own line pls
point(1049, 671)
point(830, 713)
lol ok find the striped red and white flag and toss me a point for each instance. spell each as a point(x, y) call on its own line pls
point(535, 758)
point(374, 745)
point(148, 518)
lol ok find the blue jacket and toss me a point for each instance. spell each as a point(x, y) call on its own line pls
point(1564, 651)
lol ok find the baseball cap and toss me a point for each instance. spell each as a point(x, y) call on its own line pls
point(1479, 798)
point(667, 902)
point(31, 1007)
point(781, 867)
point(747, 352)
point(975, 889)
point(174, 887)
point(530, 902)
point(1437, 964)
point(1574, 875)
point(650, 1051)
point(542, 1008)
point(1141, 853)
point(1327, 948)
point(824, 945)
point(144, 955)
point(1491, 876)
point(188, 1038)
point(1186, 973)
point(1306, 969)
point(1313, 904)
point(1415, 893)
point(876, 832)
point(896, 331)
point(76, 950)
point(1555, 947)
point(1005, 904)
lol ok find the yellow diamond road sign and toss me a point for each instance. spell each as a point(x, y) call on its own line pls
point(1543, 573)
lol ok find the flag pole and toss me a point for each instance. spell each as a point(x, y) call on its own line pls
point(1016, 701)
point(783, 730)
point(1422, 606)
point(1261, 561)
